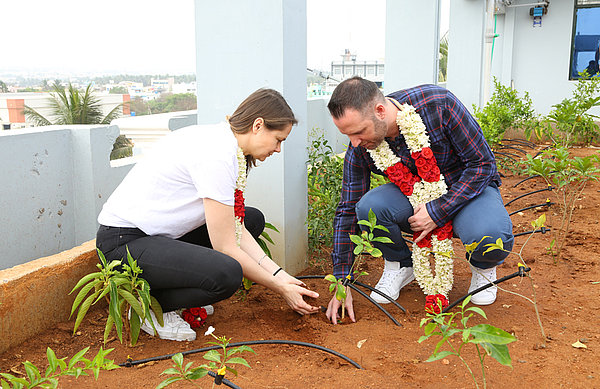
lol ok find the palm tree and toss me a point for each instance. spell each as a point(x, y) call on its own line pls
point(443, 58)
point(71, 106)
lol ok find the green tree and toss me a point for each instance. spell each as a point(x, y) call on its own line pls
point(3, 87)
point(443, 58)
point(71, 106)
point(173, 103)
point(119, 90)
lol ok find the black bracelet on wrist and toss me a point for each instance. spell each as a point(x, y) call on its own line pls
point(277, 271)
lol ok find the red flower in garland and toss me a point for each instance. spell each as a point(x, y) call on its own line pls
point(432, 305)
point(196, 317)
point(425, 242)
point(238, 207)
point(444, 232)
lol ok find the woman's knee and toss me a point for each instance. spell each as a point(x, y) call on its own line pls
point(228, 278)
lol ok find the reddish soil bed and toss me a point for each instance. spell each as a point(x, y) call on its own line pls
point(567, 294)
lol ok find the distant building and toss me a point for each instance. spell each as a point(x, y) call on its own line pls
point(349, 67)
point(185, 87)
point(12, 105)
point(163, 85)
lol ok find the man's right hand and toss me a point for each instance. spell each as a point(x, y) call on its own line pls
point(334, 306)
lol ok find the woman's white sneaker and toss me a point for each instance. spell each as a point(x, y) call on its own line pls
point(175, 328)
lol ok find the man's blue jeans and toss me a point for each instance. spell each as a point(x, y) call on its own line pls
point(483, 215)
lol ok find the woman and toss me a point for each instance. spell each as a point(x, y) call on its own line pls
point(177, 214)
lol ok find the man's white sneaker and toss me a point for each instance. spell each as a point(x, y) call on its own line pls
point(392, 280)
point(175, 328)
point(480, 278)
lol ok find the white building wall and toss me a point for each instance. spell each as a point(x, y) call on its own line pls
point(411, 43)
point(241, 47)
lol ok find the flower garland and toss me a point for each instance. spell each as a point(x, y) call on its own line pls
point(427, 186)
point(240, 186)
point(197, 316)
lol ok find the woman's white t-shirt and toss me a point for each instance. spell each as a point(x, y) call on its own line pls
point(162, 194)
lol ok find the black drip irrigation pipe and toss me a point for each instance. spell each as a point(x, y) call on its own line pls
point(511, 156)
point(526, 179)
point(353, 287)
point(542, 230)
point(520, 141)
point(130, 363)
point(520, 273)
point(501, 147)
point(544, 204)
point(224, 381)
point(549, 188)
point(376, 304)
point(542, 151)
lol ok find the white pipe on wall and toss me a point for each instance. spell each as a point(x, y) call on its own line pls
point(487, 56)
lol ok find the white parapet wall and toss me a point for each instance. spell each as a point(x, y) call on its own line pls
point(54, 182)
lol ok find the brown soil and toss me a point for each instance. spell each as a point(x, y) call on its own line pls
point(390, 356)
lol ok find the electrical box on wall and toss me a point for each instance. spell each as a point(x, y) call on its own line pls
point(499, 7)
point(537, 12)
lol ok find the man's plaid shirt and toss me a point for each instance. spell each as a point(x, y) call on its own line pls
point(463, 156)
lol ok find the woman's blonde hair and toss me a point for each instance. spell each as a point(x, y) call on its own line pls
point(267, 104)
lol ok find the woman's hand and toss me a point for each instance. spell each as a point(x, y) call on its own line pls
point(292, 290)
point(334, 306)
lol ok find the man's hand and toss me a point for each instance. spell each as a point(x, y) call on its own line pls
point(334, 306)
point(421, 221)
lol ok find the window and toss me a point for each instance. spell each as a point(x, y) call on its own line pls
point(370, 70)
point(585, 46)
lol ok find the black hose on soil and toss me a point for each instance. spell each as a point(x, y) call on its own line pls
point(543, 230)
point(376, 304)
point(246, 343)
point(520, 273)
point(549, 188)
point(544, 204)
point(523, 142)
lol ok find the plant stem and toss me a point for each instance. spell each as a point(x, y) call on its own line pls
point(481, 359)
point(465, 363)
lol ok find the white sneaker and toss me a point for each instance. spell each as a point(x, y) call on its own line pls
point(209, 309)
point(392, 280)
point(480, 278)
point(175, 328)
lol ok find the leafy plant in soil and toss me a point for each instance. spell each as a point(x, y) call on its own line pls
point(217, 361)
point(570, 121)
point(364, 243)
point(487, 339)
point(125, 291)
point(77, 366)
point(569, 176)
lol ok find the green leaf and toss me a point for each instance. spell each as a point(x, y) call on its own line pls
point(32, 372)
point(438, 356)
point(429, 328)
point(213, 355)
point(81, 295)
point(477, 310)
point(489, 334)
point(238, 360)
point(499, 245)
point(197, 373)
point(134, 327)
point(157, 309)
point(372, 217)
point(330, 278)
point(539, 222)
point(375, 252)
point(85, 306)
point(85, 280)
point(52, 360)
point(358, 249)
point(499, 352)
point(379, 227)
point(77, 357)
point(168, 382)
point(114, 309)
point(340, 293)
point(132, 301)
point(364, 223)
point(357, 240)
point(271, 227)
point(382, 239)
point(178, 359)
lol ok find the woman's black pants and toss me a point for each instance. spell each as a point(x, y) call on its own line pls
point(184, 272)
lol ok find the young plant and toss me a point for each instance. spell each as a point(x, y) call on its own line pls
point(570, 120)
point(77, 366)
point(499, 245)
point(217, 361)
point(487, 339)
point(364, 243)
point(324, 169)
point(123, 290)
point(569, 176)
point(262, 242)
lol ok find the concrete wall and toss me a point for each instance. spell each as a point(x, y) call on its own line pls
point(318, 117)
point(54, 182)
point(261, 46)
point(411, 44)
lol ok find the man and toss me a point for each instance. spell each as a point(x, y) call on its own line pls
point(472, 203)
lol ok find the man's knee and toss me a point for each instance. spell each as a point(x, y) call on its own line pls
point(486, 259)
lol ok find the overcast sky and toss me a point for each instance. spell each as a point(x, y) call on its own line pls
point(157, 36)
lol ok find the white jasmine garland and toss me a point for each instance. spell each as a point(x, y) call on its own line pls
point(240, 184)
point(414, 132)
